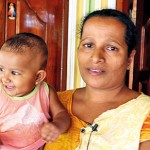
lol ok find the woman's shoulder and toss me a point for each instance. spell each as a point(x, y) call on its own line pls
point(66, 96)
point(144, 97)
point(140, 96)
point(67, 93)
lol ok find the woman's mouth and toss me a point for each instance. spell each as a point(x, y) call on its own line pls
point(96, 71)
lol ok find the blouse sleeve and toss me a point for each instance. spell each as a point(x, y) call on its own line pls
point(145, 131)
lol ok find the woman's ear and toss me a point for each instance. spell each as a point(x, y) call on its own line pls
point(40, 76)
point(131, 57)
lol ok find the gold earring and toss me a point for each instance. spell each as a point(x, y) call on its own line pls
point(36, 83)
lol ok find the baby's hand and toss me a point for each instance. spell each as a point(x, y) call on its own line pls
point(50, 132)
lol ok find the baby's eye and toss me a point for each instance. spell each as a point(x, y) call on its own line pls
point(88, 45)
point(111, 48)
point(15, 73)
point(2, 70)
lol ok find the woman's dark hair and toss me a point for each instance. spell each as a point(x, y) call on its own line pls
point(131, 31)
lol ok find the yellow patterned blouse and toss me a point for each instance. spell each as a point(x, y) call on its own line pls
point(70, 140)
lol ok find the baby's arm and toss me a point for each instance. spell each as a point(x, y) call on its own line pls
point(60, 119)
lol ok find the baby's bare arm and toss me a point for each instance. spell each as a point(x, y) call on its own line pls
point(60, 119)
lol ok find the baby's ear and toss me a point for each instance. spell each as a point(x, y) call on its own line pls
point(40, 76)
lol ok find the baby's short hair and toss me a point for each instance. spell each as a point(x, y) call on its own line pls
point(23, 42)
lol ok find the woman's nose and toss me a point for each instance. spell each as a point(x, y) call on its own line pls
point(97, 56)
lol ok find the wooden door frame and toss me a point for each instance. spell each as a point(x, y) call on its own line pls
point(141, 73)
point(56, 36)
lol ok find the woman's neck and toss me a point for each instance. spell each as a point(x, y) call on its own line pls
point(105, 95)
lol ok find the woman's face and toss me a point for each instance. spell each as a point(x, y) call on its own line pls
point(103, 53)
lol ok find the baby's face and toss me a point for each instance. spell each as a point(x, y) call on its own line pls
point(17, 73)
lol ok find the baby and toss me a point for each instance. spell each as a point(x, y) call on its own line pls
point(30, 112)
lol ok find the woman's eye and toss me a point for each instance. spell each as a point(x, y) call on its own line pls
point(2, 70)
point(15, 73)
point(88, 45)
point(111, 48)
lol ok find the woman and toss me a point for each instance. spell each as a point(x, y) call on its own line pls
point(108, 113)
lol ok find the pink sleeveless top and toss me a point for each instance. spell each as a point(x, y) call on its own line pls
point(22, 117)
